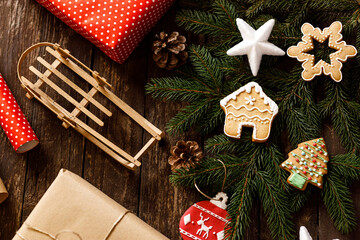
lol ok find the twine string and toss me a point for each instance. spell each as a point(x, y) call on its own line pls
point(56, 237)
point(197, 188)
point(115, 224)
point(223, 184)
point(225, 175)
point(36, 230)
point(68, 231)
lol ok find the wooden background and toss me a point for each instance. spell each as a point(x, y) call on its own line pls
point(146, 191)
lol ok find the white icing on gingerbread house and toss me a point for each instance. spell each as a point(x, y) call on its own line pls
point(249, 107)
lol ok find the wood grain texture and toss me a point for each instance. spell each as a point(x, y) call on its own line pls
point(103, 171)
point(147, 190)
point(157, 195)
point(12, 165)
point(60, 147)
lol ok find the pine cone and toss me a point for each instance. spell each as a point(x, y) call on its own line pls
point(185, 155)
point(169, 50)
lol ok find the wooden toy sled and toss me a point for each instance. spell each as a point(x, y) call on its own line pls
point(98, 84)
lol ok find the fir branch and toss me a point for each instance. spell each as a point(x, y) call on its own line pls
point(224, 144)
point(298, 109)
point(239, 210)
point(274, 202)
point(214, 118)
point(227, 13)
point(347, 165)
point(206, 66)
point(257, 7)
point(176, 89)
point(338, 202)
point(300, 125)
point(210, 169)
point(325, 6)
point(261, 156)
point(343, 115)
point(219, 21)
point(201, 86)
point(253, 169)
point(190, 115)
point(358, 39)
point(296, 18)
point(200, 22)
point(189, 73)
point(272, 166)
point(298, 198)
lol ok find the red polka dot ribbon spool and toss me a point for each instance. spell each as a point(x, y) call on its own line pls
point(205, 220)
point(114, 26)
point(14, 123)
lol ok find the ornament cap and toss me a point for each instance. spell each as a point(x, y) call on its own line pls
point(220, 200)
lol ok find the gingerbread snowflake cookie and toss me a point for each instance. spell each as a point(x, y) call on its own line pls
point(312, 69)
point(307, 164)
point(249, 107)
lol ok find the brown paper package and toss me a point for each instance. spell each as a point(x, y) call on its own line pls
point(73, 209)
point(3, 193)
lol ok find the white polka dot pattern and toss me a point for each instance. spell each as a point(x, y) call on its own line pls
point(13, 121)
point(114, 26)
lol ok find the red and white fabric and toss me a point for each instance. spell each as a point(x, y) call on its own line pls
point(13, 121)
point(114, 26)
point(203, 221)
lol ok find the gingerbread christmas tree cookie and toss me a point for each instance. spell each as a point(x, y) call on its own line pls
point(249, 107)
point(307, 164)
point(312, 69)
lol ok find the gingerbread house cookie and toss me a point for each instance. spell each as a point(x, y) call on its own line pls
point(249, 107)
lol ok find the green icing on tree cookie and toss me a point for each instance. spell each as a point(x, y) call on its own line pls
point(297, 180)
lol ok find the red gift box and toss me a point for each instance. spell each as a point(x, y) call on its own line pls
point(114, 26)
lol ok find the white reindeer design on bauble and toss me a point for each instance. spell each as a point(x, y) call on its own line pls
point(203, 227)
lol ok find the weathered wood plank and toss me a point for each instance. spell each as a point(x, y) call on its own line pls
point(161, 204)
point(308, 216)
point(146, 191)
point(327, 229)
point(12, 165)
point(254, 230)
point(59, 147)
point(112, 178)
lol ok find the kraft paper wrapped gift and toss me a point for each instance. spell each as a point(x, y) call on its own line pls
point(73, 209)
point(3, 192)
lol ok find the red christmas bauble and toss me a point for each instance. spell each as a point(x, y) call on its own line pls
point(205, 220)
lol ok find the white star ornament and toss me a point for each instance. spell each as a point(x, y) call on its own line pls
point(255, 44)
